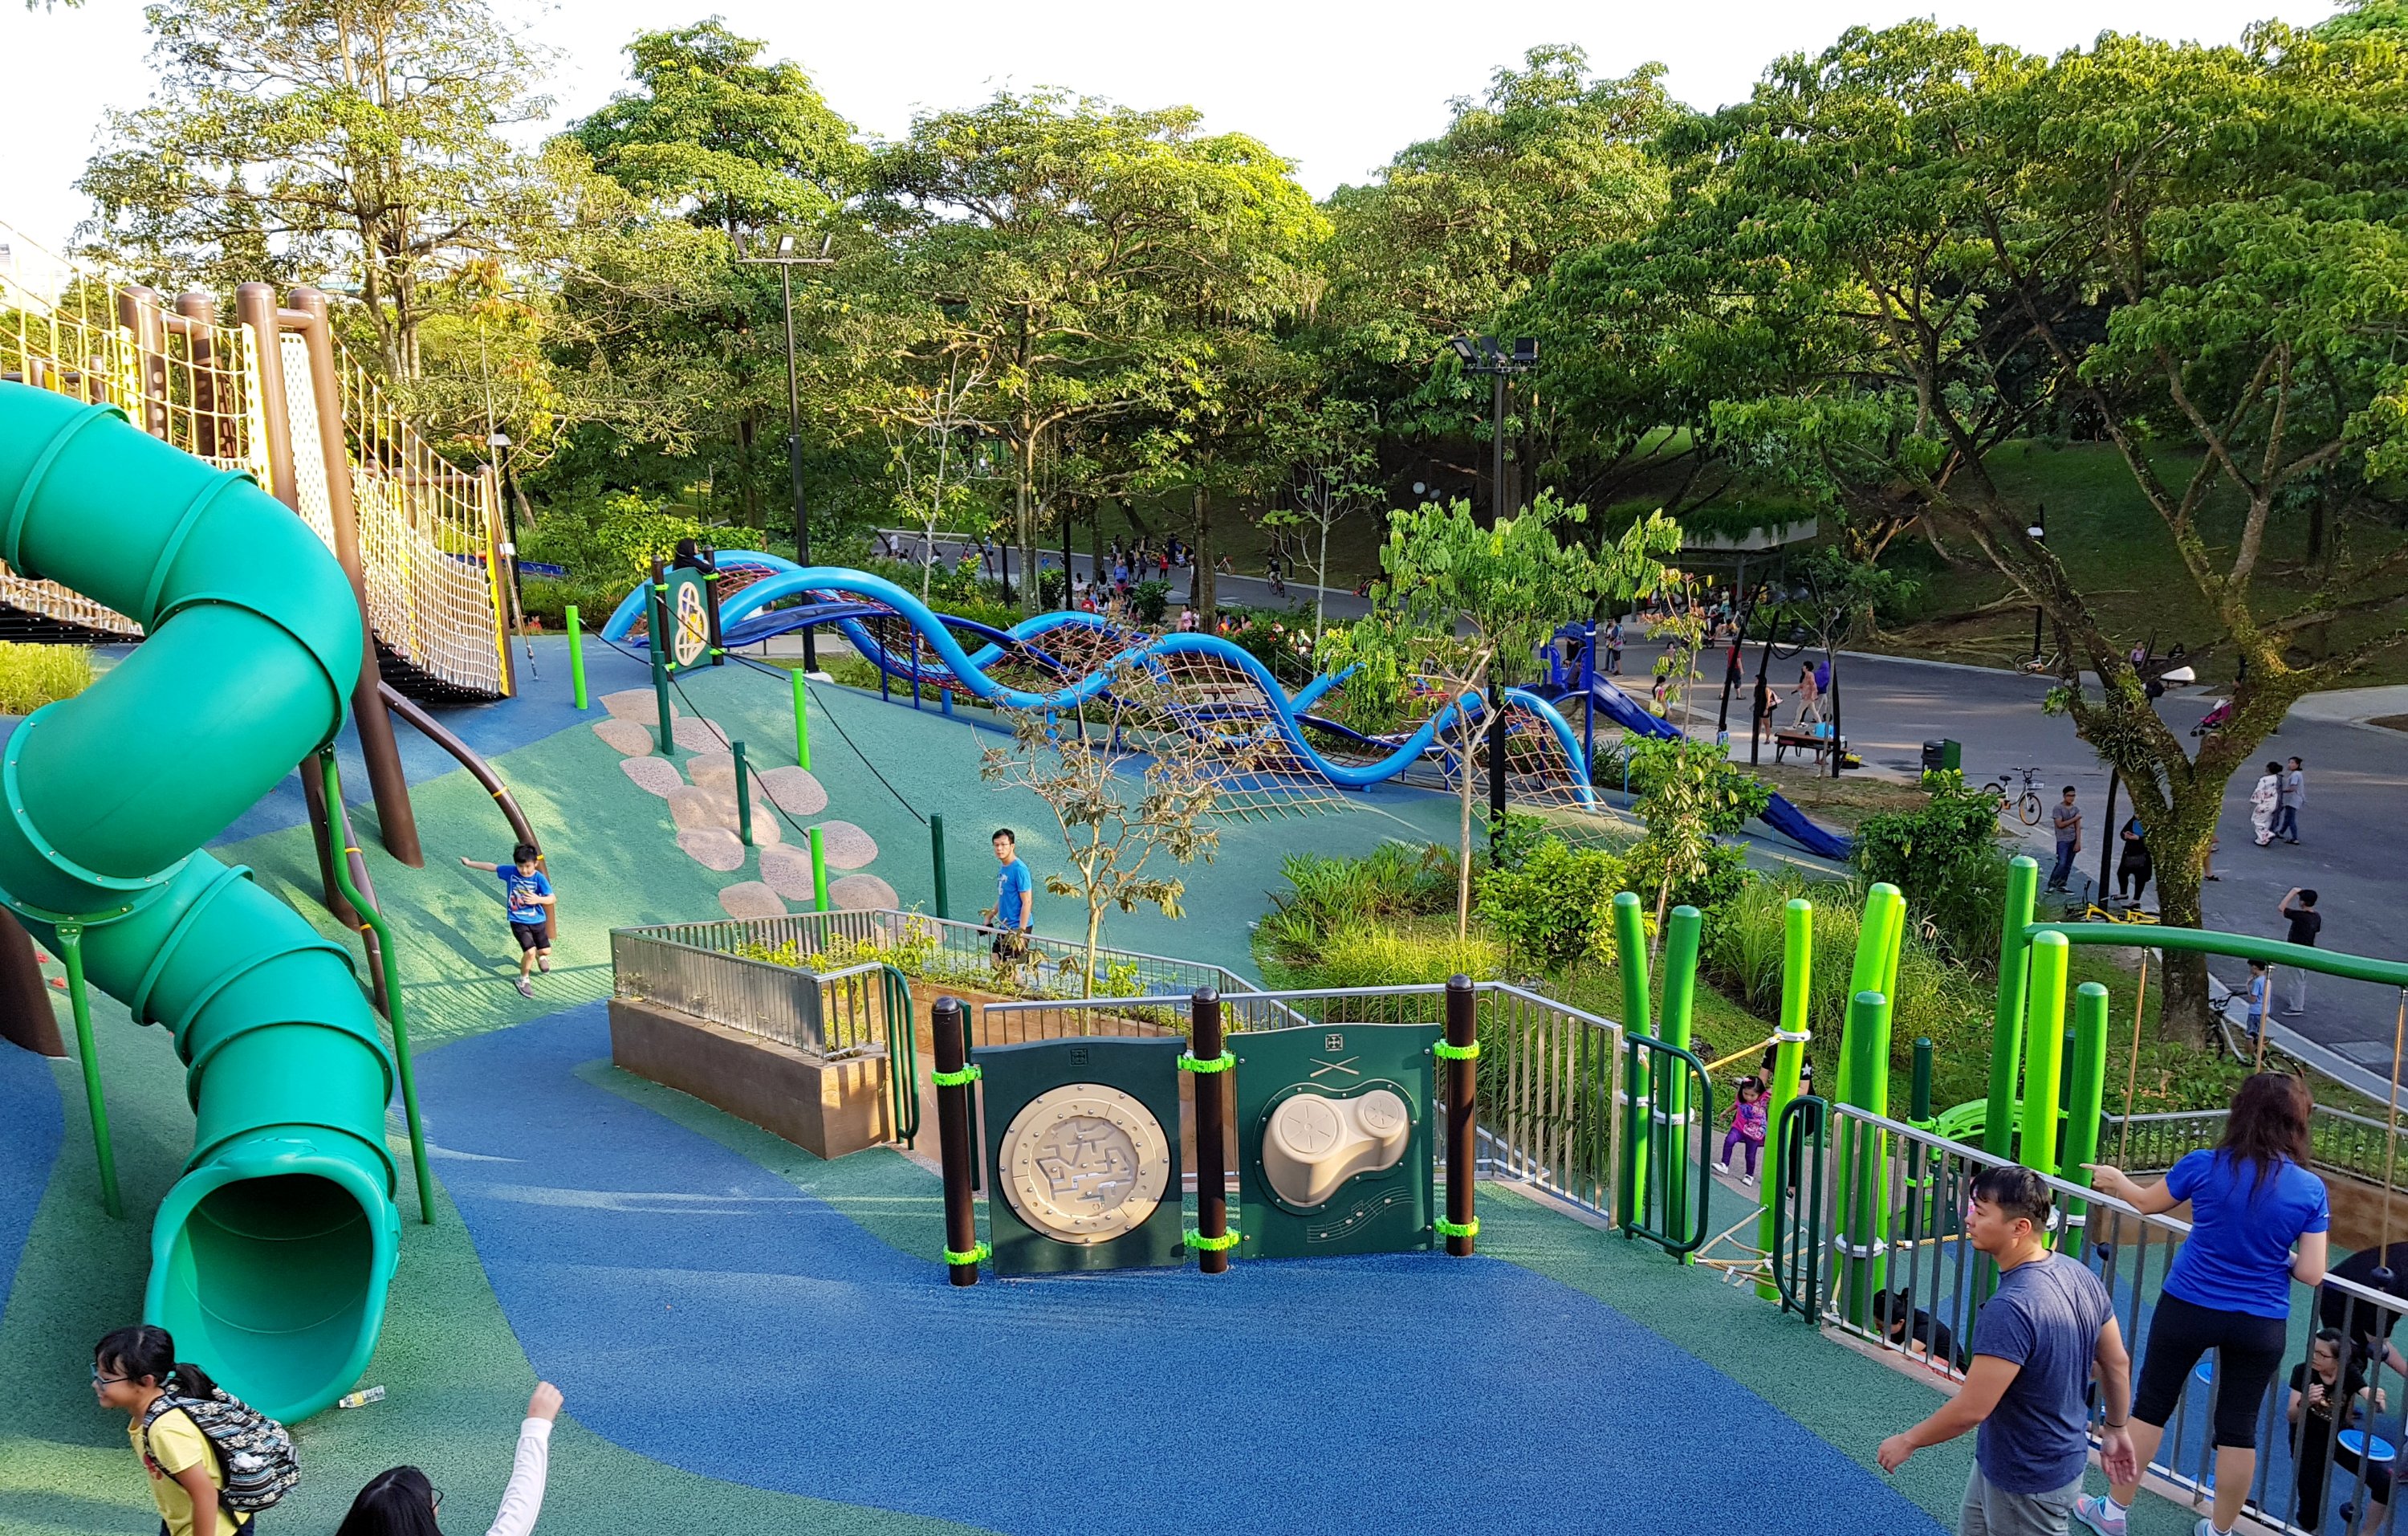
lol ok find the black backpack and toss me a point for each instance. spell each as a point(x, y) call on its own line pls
point(254, 1452)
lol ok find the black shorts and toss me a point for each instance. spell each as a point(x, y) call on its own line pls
point(529, 935)
point(2249, 1350)
point(1010, 944)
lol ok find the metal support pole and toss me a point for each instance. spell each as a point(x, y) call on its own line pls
point(819, 873)
point(795, 452)
point(1496, 443)
point(104, 1144)
point(802, 723)
point(2107, 839)
point(575, 654)
point(937, 861)
point(1462, 1036)
point(1631, 953)
point(1212, 1145)
point(957, 1154)
point(2044, 1052)
point(1496, 761)
point(743, 793)
point(657, 601)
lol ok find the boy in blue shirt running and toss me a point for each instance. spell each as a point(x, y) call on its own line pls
point(525, 893)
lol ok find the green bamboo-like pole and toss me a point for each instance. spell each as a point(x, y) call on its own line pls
point(819, 873)
point(659, 649)
point(802, 723)
point(1680, 931)
point(1878, 933)
point(937, 860)
point(575, 653)
point(1868, 1211)
point(2007, 1023)
point(104, 1144)
point(1788, 1060)
point(2088, 1070)
point(1630, 950)
point(743, 793)
point(2044, 1052)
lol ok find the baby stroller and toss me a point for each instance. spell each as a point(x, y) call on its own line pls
point(2215, 718)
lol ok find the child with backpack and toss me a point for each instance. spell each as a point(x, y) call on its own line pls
point(214, 1462)
point(525, 893)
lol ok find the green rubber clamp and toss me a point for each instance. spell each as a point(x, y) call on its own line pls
point(962, 1079)
point(1456, 1053)
point(1453, 1229)
point(1188, 1062)
point(976, 1256)
point(1212, 1245)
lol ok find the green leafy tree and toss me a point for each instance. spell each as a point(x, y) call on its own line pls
point(1329, 448)
point(1691, 796)
point(1553, 906)
point(1458, 605)
point(361, 141)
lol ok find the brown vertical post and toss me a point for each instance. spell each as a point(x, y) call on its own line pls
point(1212, 1147)
point(26, 1017)
point(1462, 1038)
point(209, 440)
point(953, 1078)
point(386, 782)
point(139, 312)
point(488, 486)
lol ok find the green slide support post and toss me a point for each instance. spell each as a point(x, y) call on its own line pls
point(2088, 1072)
point(575, 653)
point(1863, 1155)
point(2043, 1053)
point(1879, 933)
point(103, 1145)
point(272, 1254)
point(1789, 1064)
point(659, 651)
point(743, 793)
point(937, 861)
point(1630, 951)
point(802, 723)
point(1670, 1120)
point(819, 873)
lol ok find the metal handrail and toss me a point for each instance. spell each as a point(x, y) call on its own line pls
point(1663, 1154)
point(1798, 1172)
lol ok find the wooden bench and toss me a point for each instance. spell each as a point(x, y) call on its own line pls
point(1785, 743)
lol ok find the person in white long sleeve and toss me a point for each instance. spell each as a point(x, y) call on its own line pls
point(402, 1502)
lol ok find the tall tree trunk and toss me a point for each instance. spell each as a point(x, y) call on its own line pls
point(1204, 584)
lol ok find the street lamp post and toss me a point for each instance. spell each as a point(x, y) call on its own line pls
point(2039, 534)
point(1500, 361)
point(783, 256)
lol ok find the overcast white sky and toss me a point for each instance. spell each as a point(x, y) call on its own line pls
point(1336, 85)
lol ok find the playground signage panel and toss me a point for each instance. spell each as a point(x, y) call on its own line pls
point(1334, 1140)
point(1083, 1155)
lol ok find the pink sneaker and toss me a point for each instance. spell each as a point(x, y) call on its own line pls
point(2092, 1511)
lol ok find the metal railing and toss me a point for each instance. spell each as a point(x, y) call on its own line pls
point(845, 1011)
point(2357, 1145)
point(1547, 1113)
point(1870, 1244)
point(1667, 1184)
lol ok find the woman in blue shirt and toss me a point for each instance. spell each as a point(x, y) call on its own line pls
point(2229, 1287)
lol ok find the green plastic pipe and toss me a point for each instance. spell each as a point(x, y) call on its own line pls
point(743, 793)
point(819, 873)
point(936, 858)
point(1868, 1208)
point(575, 654)
point(104, 1144)
point(802, 722)
point(1788, 1060)
point(271, 1255)
point(2089, 1075)
point(1630, 950)
point(389, 961)
point(2044, 1052)
point(2239, 946)
point(2007, 1023)
point(1670, 1120)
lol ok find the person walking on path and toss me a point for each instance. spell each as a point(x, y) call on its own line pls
point(2259, 1222)
point(2044, 1335)
point(2298, 910)
point(2265, 800)
point(526, 893)
point(1015, 903)
point(2295, 794)
point(2066, 818)
point(1613, 649)
point(1809, 697)
point(403, 1502)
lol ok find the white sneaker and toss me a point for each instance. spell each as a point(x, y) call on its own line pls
point(525, 989)
point(2207, 1527)
point(1749, 1181)
point(2092, 1511)
point(1723, 1168)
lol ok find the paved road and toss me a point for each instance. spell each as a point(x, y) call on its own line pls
point(2353, 847)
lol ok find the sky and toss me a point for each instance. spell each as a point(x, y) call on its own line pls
point(1336, 85)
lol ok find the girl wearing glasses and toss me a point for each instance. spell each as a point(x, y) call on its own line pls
point(131, 1370)
point(402, 1502)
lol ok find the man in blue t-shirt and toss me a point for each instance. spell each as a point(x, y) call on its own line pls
point(1015, 901)
point(527, 901)
point(2039, 1340)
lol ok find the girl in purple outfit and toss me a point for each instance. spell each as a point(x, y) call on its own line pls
point(1746, 1127)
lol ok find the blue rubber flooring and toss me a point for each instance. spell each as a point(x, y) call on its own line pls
point(703, 1312)
point(29, 1128)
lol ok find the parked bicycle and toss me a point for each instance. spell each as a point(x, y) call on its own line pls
point(2027, 806)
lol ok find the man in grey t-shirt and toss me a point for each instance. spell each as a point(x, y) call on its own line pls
point(2044, 1333)
point(2066, 817)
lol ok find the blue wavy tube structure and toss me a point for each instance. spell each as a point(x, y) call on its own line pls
point(857, 595)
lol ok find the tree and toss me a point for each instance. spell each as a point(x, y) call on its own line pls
point(1691, 796)
point(1082, 772)
point(1459, 605)
point(931, 467)
point(738, 144)
point(1080, 256)
point(1330, 450)
point(357, 140)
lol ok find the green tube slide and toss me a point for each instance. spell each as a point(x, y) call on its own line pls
point(271, 1255)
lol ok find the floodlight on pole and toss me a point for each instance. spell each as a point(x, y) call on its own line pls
point(783, 256)
point(1484, 354)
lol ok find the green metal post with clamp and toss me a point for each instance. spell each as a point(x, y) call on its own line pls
point(104, 1144)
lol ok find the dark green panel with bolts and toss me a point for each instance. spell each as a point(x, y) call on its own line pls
point(1083, 1155)
point(1334, 1140)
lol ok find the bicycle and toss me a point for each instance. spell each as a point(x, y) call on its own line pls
point(2028, 807)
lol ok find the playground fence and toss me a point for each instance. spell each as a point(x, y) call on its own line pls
point(1873, 1248)
point(1549, 1114)
point(835, 1014)
point(2356, 1146)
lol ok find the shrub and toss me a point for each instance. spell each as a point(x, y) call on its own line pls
point(1690, 794)
point(1388, 956)
point(610, 540)
point(32, 676)
point(1554, 904)
point(1152, 599)
point(1329, 893)
point(1945, 859)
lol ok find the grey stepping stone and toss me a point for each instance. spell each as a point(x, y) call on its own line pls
point(846, 846)
point(787, 870)
point(640, 705)
point(656, 774)
point(751, 898)
point(713, 848)
point(862, 892)
point(625, 736)
point(797, 792)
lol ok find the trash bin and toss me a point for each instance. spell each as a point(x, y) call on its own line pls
point(1943, 754)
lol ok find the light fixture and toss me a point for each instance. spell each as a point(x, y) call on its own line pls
point(785, 245)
